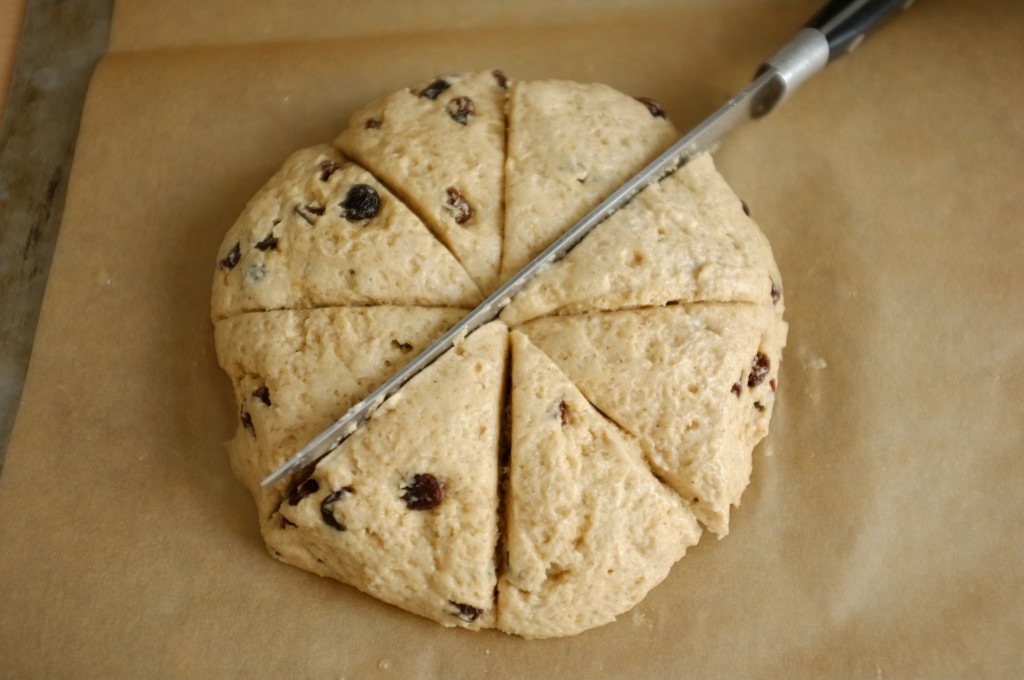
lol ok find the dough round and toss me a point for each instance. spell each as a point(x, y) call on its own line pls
point(546, 473)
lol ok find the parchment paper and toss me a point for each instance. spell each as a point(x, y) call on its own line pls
point(881, 535)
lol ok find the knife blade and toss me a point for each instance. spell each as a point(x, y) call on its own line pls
point(835, 30)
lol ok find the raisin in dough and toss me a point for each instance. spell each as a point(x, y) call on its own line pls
point(694, 383)
point(684, 239)
point(406, 509)
point(569, 146)
point(323, 232)
point(441, 145)
point(589, 530)
point(295, 372)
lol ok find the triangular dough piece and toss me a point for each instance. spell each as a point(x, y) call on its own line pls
point(589, 530)
point(322, 233)
point(684, 239)
point(569, 146)
point(371, 514)
point(442, 146)
point(297, 371)
point(694, 383)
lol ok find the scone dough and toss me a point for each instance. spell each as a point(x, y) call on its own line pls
point(684, 239)
point(569, 146)
point(694, 383)
point(297, 371)
point(406, 509)
point(441, 144)
point(323, 232)
point(589, 530)
point(542, 476)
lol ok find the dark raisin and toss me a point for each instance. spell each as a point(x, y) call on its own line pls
point(372, 123)
point(269, 243)
point(502, 79)
point(737, 389)
point(308, 487)
point(327, 168)
point(309, 212)
point(463, 210)
point(404, 346)
point(424, 492)
point(563, 412)
point(232, 258)
point(466, 612)
point(362, 202)
point(326, 509)
point(461, 109)
point(759, 406)
point(330, 520)
point(433, 90)
point(746, 208)
point(776, 292)
point(759, 368)
point(263, 394)
point(246, 418)
point(285, 523)
point(652, 106)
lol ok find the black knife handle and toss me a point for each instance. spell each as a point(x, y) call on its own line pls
point(844, 23)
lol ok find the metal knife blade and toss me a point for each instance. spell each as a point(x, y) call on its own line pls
point(806, 54)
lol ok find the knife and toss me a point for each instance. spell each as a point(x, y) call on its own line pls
point(837, 29)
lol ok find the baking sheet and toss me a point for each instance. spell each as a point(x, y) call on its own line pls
point(880, 536)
